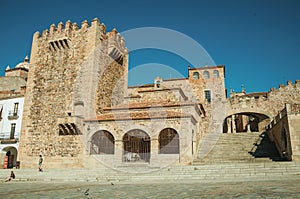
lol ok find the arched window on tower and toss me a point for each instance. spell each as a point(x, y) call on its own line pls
point(195, 75)
point(216, 74)
point(206, 74)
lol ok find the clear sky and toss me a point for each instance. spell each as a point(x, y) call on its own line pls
point(258, 41)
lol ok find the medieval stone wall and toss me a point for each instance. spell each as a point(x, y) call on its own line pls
point(111, 87)
point(284, 131)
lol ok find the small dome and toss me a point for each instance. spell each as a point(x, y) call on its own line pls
point(24, 64)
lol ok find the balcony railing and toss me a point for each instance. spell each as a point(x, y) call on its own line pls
point(5, 137)
point(13, 115)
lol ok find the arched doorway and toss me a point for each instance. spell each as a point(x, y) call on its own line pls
point(168, 140)
point(10, 157)
point(136, 146)
point(102, 142)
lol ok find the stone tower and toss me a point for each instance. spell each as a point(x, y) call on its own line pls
point(74, 73)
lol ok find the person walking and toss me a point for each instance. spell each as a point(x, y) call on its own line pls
point(40, 163)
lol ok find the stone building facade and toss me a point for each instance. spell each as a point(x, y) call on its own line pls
point(79, 111)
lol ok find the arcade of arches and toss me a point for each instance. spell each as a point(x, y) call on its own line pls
point(136, 144)
point(245, 122)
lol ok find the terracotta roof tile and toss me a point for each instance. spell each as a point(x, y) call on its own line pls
point(151, 104)
point(142, 115)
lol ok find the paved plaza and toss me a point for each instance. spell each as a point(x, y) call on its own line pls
point(288, 188)
point(231, 180)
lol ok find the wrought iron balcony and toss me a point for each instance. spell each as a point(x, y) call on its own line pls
point(9, 138)
point(13, 115)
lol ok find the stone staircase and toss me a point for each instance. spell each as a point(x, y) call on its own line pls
point(217, 172)
point(235, 157)
point(241, 147)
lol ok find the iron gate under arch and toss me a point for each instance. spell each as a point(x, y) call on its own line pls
point(102, 142)
point(136, 146)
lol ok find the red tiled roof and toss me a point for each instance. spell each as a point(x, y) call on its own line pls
point(151, 104)
point(142, 115)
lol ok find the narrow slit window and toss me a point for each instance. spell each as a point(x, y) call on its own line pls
point(207, 95)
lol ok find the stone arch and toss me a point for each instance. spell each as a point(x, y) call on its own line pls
point(10, 156)
point(136, 146)
point(168, 141)
point(102, 142)
point(245, 122)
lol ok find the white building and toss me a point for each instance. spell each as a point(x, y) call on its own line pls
point(12, 91)
point(10, 128)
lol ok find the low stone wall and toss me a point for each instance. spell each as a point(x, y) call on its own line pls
point(284, 130)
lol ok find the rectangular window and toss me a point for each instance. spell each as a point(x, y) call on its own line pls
point(207, 95)
point(12, 130)
point(16, 106)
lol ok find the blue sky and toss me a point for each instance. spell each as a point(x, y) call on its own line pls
point(258, 41)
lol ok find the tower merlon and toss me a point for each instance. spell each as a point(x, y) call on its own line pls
point(60, 26)
point(95, 22)
point(103, 27)
point(68, 25)
point(84, 24)
point(36, 34)
point(74, 26)
point(52, 28)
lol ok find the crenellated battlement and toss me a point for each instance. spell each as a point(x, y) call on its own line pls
point(271, 102)
point(89, 36)
point(262, 96)
point(289, 85)
point(253, 98)
point(69, 28)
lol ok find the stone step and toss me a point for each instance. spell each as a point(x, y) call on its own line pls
point(217, 171)
point(241, 147)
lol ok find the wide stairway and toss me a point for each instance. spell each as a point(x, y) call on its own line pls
point(241, 147)
point(217, 172)
point(235, 157)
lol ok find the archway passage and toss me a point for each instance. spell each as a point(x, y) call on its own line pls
point(245, 122)
point(136, 146)
point(102, 142)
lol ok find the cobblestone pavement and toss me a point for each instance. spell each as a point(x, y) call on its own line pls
point(288, 188)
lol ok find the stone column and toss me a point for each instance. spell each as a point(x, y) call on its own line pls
point(229, 125)
point(248, 128)
point(118, 152)
point(154, 153)
point(233, 124)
